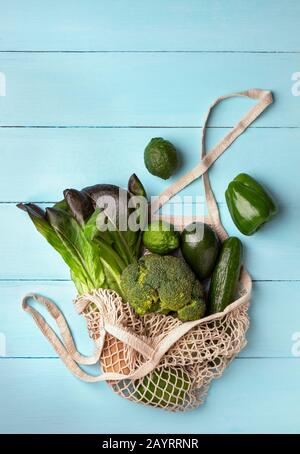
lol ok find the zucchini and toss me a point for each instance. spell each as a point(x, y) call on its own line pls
point(226, 275)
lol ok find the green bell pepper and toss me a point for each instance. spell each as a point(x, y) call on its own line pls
point(249, 204)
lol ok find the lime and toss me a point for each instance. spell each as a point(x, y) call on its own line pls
point(160, 158)
point(161, 238)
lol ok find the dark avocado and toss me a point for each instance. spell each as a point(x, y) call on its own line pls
point(200, 247)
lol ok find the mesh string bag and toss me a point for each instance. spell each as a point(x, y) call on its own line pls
point(156, 359)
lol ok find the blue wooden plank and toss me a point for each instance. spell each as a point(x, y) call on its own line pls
point(272, 253)
point(157, 89)
point(22, 336)
point(274, 309)
point(142, 89)
point(37, 164)
point(40, 396)
point(134, 25)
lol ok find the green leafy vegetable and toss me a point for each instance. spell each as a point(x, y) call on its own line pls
point(92, 242)
point(135, 186)
point(79, 203)
point(78, 247)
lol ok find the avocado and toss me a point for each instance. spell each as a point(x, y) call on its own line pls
point(200, 248)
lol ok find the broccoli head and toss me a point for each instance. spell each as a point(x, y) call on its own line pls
point(163, 284)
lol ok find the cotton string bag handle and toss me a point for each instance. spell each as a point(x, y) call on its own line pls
point(65, 346)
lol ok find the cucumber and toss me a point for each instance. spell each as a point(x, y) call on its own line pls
point(200, 248)
point(226, 275)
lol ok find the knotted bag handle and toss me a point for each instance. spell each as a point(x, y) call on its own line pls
point(66, 348)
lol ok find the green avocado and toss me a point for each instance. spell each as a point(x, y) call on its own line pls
point(200, 248)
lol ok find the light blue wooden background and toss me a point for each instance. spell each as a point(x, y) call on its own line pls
point(88, 83)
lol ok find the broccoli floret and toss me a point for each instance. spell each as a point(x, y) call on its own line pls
point(192, 311)
point(142, 297)
point(163, 284)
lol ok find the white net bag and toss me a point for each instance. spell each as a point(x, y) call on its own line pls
point(178, 379)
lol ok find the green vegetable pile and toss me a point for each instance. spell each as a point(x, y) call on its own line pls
point(100, 234)
point(91, 231)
